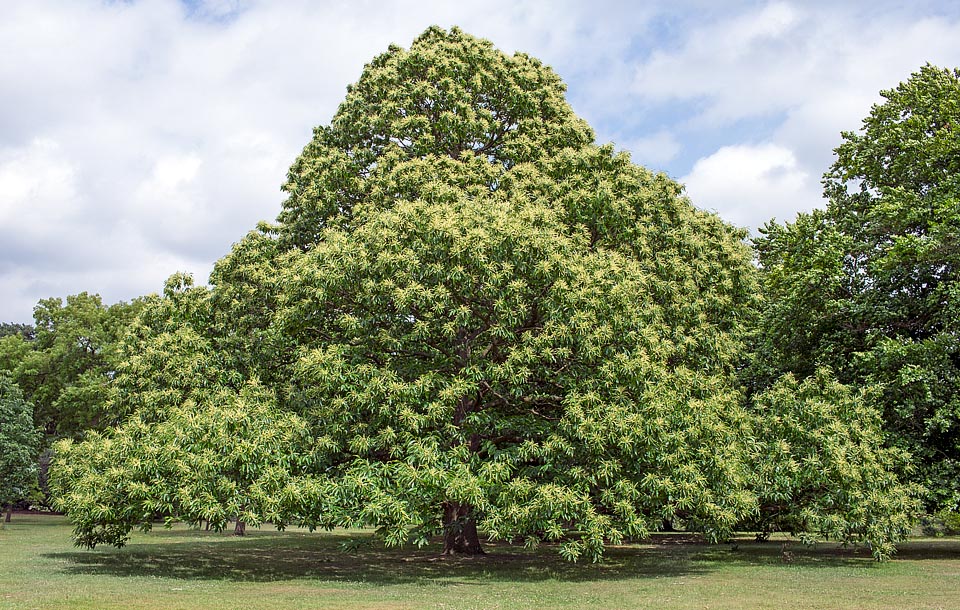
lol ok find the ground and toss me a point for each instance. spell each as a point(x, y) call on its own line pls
point(182, 568)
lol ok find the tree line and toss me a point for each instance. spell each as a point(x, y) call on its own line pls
point(469, 318)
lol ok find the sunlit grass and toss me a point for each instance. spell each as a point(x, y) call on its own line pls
point(182, 568)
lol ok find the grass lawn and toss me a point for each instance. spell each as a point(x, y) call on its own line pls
point(182, 568)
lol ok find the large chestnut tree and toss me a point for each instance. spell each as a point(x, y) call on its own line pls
point(468, 318)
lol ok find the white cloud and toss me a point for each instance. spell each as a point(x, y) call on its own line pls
point(41, 207)
point(741, 182)
point(789, 74)
point(37, 181)
point(140, 138)
point(169, 200)
point(654, 149)
point(741, 66)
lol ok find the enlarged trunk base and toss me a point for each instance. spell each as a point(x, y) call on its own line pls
point(9, 512)
point(240, 529)
point(460, 530)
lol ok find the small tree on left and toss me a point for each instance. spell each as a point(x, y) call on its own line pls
point(19, 444)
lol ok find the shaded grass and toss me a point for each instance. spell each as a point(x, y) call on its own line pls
point(182, 568)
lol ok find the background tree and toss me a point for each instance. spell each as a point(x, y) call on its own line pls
point(19, 445)
point(13, 351)
point(869, 286)
point(65, 371)
point(12, 328)
point(65, 366)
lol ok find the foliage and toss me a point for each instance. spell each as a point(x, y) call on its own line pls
point(869, 286)
point(199, 443)
point(12, 328)
point(942, 523)
point(166, 357)
point(494, 388)
point(951, 522)
point(245, 289)
point(66, 368)
point(13, 350)
point(468, 317)
point(485, 320)
point(19, 443)
point(501, 325)
point(821, 466)
point(230, 456)
point(450, 98)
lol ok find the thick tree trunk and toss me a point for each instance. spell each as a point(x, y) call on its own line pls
point(460, 530)
point(9, 512)
point(459, 525)
point(240, 529)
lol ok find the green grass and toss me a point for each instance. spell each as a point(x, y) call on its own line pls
point(182, 568)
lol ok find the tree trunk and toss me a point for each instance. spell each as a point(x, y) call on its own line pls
point(240, 529)
point(9, 512)
point(460, 530)
point(459, 526)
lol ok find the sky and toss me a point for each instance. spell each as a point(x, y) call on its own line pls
point(140, 138)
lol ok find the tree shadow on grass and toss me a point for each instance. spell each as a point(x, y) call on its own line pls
point(943, 548)
point(270, 556)
point(287, 556)
point(792, 552)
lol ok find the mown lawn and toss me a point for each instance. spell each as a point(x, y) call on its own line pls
point(182, 568)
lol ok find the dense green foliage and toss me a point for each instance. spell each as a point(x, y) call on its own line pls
point(24, 330)
point(486, 320)
point(65, 363)
point(469, 317)
point(230, 456)
point(453, 102)
point(501, 325)
point(19, 444)
point(822, 467)
point(201, 444)
point(869, 286)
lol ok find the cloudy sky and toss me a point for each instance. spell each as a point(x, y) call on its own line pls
point(144, 137)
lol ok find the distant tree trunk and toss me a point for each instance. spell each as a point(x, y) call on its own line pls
point(460, 530)
point(9, 512)
point(240, 529)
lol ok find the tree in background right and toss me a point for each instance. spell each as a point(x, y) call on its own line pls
point(869, 286)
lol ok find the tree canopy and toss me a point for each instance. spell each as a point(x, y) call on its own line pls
point(869, 286)
point(64, 363)
point(450, 98)
point(468, 317)
point(24, 330)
